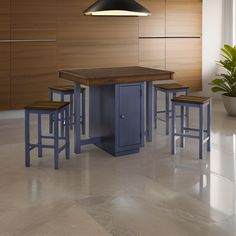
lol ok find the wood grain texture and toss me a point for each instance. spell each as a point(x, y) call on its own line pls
point(4, 76)
point(183, 18)
point(115, 75)
point(155, 24)
point(171, 86)
point(195, 85)
point(90, 42)
point(191, 99)
point(33, 19)
point(5, 54)
point(152, 53)
point(63, 88)
point(33, 71)
point(5, 19)
point(46, 105)
point(184, 56)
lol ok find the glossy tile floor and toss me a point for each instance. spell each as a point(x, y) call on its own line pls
point(147, 194)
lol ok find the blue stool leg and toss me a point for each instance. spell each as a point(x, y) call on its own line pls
point(50, 97)
point(62, 119)
point(149, 110)
point(187, 110)
point(83, 111)
point(40, 150)
point(77, 134)
point(71, 111)
point(173, 130)
point(182, 124)
point(27, 138)
point(209, 126)
point(155, 108)
point(67, 147)
point(167, 113)
point(56, 141)
point(201, 132)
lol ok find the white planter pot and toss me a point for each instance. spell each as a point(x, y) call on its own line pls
point(230, 104)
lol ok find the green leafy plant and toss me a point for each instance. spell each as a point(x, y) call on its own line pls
point(226, 82)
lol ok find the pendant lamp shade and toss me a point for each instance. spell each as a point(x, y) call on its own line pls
point(116, 8)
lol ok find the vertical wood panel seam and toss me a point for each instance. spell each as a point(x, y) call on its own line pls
point(165, 33)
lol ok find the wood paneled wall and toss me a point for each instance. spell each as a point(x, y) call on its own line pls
point(183, 18)
point(39, 37)
point(154, 25)
point(33, 69)
point(33, 19)
point(94, 41)
point(5, 33)
point(5, 86)
point(177, 44)
point(183, 55)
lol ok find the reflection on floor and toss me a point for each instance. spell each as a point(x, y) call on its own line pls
point(150, 193)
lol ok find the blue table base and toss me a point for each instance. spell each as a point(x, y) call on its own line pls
point(107, 122)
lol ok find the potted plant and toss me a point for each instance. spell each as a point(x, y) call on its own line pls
point(226, 82)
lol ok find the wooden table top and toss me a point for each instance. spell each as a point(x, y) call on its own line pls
point(115, 75)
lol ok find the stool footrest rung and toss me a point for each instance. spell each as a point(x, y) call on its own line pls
point(163, 112)
point(160, 112)
point(161, 119)
point(158, 118)
point(187, 136)
point(51, 137)
point(191, 136)
point(47, 146)
point(32, 146)
point(193, 129)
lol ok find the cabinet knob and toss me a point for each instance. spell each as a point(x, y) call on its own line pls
point(122, 117)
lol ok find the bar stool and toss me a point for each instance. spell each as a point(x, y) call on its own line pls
point(168, 89)
point(204, 135)
point(67, 90)
point(52, 109)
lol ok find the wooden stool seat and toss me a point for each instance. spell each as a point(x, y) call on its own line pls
point(172, 86)
point(46, 105)
point(191, 99)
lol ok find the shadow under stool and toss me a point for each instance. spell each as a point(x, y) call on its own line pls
point(52, 109)
point(170, 90)
point(203, 135)
point(63, 91)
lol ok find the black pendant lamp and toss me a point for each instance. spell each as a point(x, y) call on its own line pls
point(116, 8)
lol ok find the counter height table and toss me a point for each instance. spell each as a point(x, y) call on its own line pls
point(116, 106)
